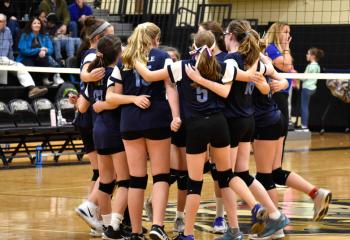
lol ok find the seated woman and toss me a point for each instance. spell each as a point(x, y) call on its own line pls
point(35, 48)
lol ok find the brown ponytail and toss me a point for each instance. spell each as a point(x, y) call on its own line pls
point(108, 49)
point(207, 65)
point(248, 39)
point(318, 53)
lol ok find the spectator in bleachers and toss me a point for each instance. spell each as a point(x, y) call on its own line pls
point(79, 10)
point(6, 58)
point(35, 47)
point(60, 41)
point(60, 8)
point(11, 10)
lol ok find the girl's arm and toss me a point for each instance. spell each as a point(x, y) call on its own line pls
point(222, 90)
point(104, 105)
point(93, 76)
point(278, 83)
point(82, 104)
point(284, 62)
point(261, 83)
point(173, 98)
point(151, 76)
point(117, 98)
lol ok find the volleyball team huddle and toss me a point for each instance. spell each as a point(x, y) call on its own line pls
point(187, 117)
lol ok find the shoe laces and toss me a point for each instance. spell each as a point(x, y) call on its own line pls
point(219, 221)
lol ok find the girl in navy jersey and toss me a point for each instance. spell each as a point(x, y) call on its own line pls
point(242, 44)
point(220, 51)
point(219, 224)
point(93, 30)
point(205, 124)
point(146, 131)
point(107, 137)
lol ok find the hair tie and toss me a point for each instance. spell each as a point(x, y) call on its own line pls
point(99, 54)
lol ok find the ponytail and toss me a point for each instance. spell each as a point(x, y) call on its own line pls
point(140, 44)
point(248, 39)
point(318, 53)
point(206, 63)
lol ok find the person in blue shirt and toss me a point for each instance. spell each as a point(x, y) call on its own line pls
point(278, 41)
point(35, 47)
point(79, 10)
point(147, 131)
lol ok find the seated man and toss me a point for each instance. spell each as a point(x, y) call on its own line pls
point(79, 10)
point(60, 8)
point(6, 58)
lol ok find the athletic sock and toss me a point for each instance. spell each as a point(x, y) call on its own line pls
point(235, 231)
point(275, 215)
point(116, 219)
point(219, 208)
point(313, 193)
point(180, 215)
point(106, 219)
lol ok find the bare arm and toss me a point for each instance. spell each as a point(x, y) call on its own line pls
point(82, 104)
point(116, 98)
point(93, 76)
point(173, 98)
point(261, 83)
point(151, 76)
point(284, 62)
point(220, 89)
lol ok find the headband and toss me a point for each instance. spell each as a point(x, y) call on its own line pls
point(99, 30)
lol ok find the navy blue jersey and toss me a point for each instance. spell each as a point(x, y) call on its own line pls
point(197, 101)
point(158, 115)
point(96, 91)
point(221, 56)
point(84, 120)
point(266, 110)
point(239, 103)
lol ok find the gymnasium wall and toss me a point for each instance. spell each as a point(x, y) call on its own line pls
point(293, 12)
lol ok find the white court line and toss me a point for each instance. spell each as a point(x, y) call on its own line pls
point(319, 76)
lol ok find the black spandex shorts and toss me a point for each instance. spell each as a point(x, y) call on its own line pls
point(152, 134)
point(241, 130)
point(272, 132)
point(202, 131)
point(179, 138)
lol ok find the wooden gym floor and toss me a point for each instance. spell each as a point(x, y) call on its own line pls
point(38, 203)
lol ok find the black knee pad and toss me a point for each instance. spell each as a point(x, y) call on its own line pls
point(194, 187)
point(163, 177)
point(107, 188)
point(224, 178)
point(214, 171)
point(138, 182)
point(173, 176)
point(266, 180)
point(182, 180)
point(207, 167)
point(95, 175)
point(246, 177)
point(123, 183)
point(280, 176)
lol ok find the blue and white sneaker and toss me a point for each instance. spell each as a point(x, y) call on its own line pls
point(259, 217)
point(219, 225)
point(276, 236)
point(181, 236)
point(272, 226)
point(229, 235)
